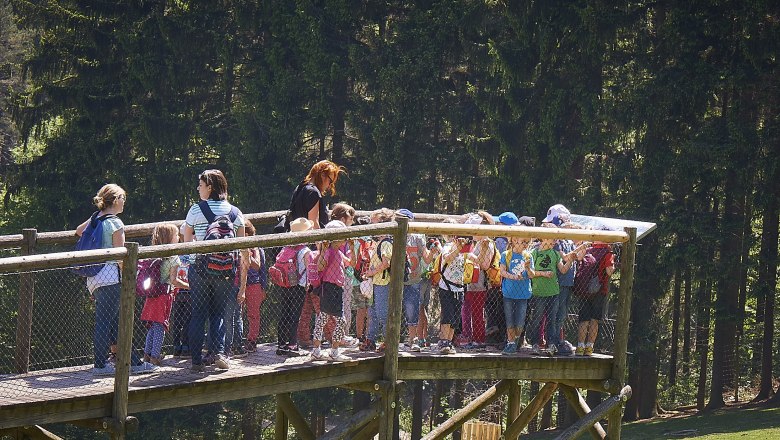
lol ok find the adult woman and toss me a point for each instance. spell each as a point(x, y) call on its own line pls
point(104, 286)
point(307, 199)
point(209, 290)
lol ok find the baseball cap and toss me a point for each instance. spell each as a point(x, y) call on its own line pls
point(506, 218)
point(556, 211)
point(405, 213)
point(473, 219)
point(333, 224)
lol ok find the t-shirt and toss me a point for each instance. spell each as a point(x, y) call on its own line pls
point(109, 274)
point(415, 250)
point(197, 221)
point(546, 260)
point(165, 268)
point(453, 271)
point(334, 266)
point(382, 278)
point(566, 279)
point(308, 196)
point(516, 289)
point(303, 281)
point(479, 284)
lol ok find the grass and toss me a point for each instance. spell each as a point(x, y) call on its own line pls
point(744, 423)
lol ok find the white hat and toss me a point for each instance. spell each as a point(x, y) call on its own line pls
point(473, 219)
point(556, 211)
point(300, 224)
point(333, 224)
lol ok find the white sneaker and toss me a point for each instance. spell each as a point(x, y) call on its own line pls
point(317, 354)
point(335, 355)
point(108, 370)
point(221, 363)
point(143, 368)
point(415, 347)
point(349, 342)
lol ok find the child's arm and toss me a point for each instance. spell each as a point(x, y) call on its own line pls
point(254, 259)
point(175, 281)
point(529, 268)
point(486, 248)
point(563, 266)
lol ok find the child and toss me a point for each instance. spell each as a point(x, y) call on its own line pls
point(451, 289)
point(362, 290)
point(291, 298)
point(548, 263)
point(598, 261)
point(517, 269)
point(256, 283)
point(473, 311)
point(157, 310)
point(379, 271)
point(331, 262)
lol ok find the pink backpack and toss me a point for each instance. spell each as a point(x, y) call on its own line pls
point(313, 275)
point(284, 272)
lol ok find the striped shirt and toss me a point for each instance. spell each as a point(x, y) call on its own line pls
point(197, 221)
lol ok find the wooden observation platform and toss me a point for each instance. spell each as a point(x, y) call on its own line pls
point(73, 394)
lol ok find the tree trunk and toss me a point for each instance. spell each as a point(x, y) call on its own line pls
point(677, 291)
point(703, 339)
point(417, 409)
point(746, 243)
point(248, 420)
point(546, 421)
point(686, 353)
point(727, 299)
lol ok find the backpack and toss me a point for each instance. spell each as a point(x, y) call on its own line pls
point(148, 284)
point(221, 226)
point(284, 272)
point(470, 271)
point(313, 274)
point(363, 260)
point(493, 273)
point(591, 274)
point(435, 271)
point(407, 263)
point(91, 238)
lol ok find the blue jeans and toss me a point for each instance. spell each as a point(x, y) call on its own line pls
point(107, 323)
point(377, 313)
point(563, 307)
point(412, 303)
point(209, 297)
point(545, 306)
point(514, 312)
point(234, 322)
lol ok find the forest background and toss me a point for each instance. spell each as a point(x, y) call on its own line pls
point(649, 110)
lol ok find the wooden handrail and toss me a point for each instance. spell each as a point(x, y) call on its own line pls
point(60, 259)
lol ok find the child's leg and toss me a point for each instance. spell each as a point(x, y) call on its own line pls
point(319, 324)
point(593, 331)
point(339, 331)
point(346, 301)
point(582, 332)
point(411, 306)
point(478, 316)
point(254, 293)
point(465, 316)
point(553, 332)
point(304, 323)
point(148, 344)
point(158, 335)
point(360, 325)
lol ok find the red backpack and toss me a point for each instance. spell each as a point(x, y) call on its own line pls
point(313, 275)
point(284, 272)
point(591, 277)
point(148, 284)
point(363, 260)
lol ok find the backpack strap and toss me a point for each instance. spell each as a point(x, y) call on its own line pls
point(205, 209)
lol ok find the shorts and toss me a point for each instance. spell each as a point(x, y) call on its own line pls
point(514, 312)
point(592, 308)
point(450, 310)
point(331, 299)
point(425, 293)
point(360, 301)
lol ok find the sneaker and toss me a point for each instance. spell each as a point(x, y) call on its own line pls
point(536, 349)
point(147, 358)
point(510, 348)
point(250, 346)
point(580, 351)
point(142, 368)
point(107, 370)
point(588, 351)
point(381, 348)
point(349, 343)
point(415, 345)
point(156, 361)
point(369, 345)
point(197, 368)
point(335, 355)
point(209, 359)
point(447, 348)
point(239, 352)
point(221, 362)
point(565, 348)
point(317, 354)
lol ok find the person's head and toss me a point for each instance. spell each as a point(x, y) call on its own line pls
point(546, 244)
point(165, 233)
point(382, 215)
point(476, 219)
point(344, 213)
point(110, 196)
point(249, 228)
point(519, 244)
point(324, 175)
point(301, 224)
point(336, 224)
point(505, 218)
point(212, 185)
point(559, 213)
point(449, 221)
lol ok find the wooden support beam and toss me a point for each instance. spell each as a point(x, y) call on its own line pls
point(376, 387)
point(469, 411)
point(24, 318)
point(625, 292)
point(387, 426)
point(302, 429)
point(596, 414)
point(515, 398)
point(369, 431)
point(353, 423)
point(107, 424)
point(534, 406)
point(281, 424)
point(603, 386)
point(581, 408)
point(31, 432)
point(125, 339)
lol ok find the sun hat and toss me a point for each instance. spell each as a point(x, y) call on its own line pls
point(300, 224)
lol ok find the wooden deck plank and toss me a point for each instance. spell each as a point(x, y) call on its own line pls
point(73, 393)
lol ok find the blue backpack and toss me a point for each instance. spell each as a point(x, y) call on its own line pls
point(91, 238)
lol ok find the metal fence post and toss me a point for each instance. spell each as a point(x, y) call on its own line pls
point(25, 317)
point(125, 339)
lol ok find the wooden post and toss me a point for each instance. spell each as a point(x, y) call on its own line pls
point(513, 410)
point(417, 410)
point(530, 411)
point(281, 423)
point(302, 429)
point(625, 292)
point(25, 317)
point(473, 408)
point(596, 414)
point(125, 338)
point(393, 330)
point(581, 408)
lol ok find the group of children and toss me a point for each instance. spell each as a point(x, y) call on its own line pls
point(332, 282)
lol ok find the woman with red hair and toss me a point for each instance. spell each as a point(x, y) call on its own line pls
point(307, 198)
